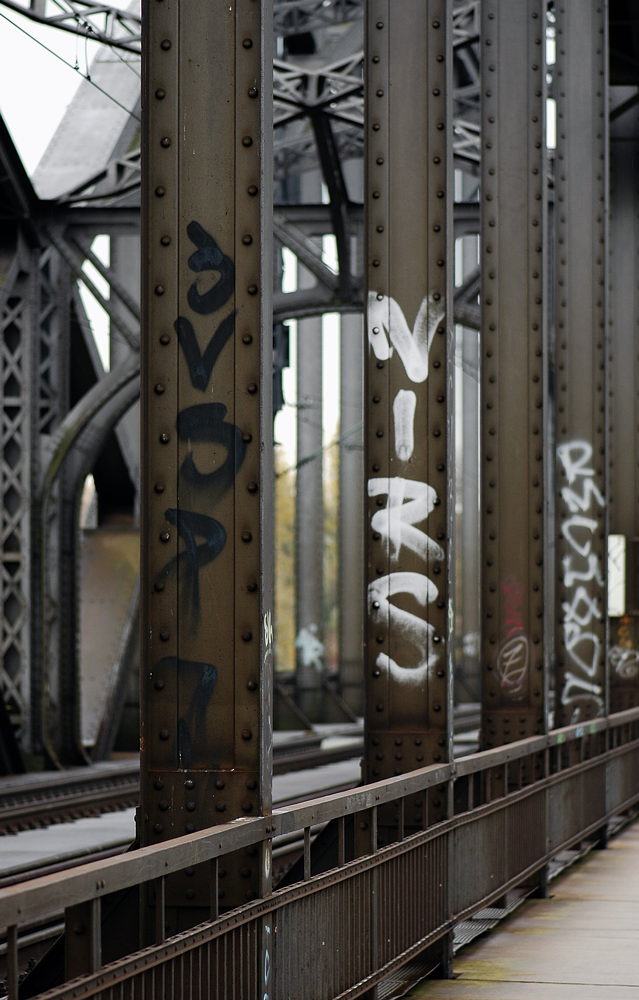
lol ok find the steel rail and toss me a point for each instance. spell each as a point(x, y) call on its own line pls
point(38, 800)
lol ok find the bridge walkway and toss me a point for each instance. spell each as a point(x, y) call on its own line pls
point(580, 944)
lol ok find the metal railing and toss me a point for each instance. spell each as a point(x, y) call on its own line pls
point(337, 934)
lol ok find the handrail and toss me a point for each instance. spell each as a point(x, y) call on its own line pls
point(89, 883)
point(23, 902)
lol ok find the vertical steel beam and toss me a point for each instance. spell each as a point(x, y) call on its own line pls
point(467, 612)
point(125, 263)
point(309, 521)
point(309, 499)
point(55, 677)
point(581, 180)
point(19, 440)
point(207, 431)
point(408, 388)
point(351, 569)
point(513, 225)
point(469, 682)
point(623, 400)
point(351, 527)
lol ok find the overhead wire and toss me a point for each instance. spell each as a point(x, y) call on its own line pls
point(76, 69)
point(89, 30)
point(340, 439)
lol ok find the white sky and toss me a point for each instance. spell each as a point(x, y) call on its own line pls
point(35, 86)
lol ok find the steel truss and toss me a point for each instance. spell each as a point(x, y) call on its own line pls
point(54, 424)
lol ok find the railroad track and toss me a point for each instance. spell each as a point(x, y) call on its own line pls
point(34, 801)
point(29, 802)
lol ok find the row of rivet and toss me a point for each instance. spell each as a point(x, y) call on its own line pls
point(165, 436)
point(162, 383)
point(379, 385)
point(582, 362)
point(492, 156)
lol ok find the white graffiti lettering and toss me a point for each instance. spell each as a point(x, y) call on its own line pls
point(388, 329)
point(409, 502)
point(581, 693)
point(513, 657)
point(413, 629)
point(582, 502)
point(310, 646)
point(576, 522)
point(268, 629)
point(589, 608)
point(266, 964)
point(593, 572)
point(511, 669)
point(574, 468)
point(404, 406)
point(624, 662)
point(575, 687)
point(575, 641)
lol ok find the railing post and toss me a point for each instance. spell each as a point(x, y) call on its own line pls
point(12, 963)
point(82, 940)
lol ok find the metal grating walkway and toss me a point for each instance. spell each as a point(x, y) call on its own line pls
point(582, 943)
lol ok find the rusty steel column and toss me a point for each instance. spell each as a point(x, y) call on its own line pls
point(206, 683)
point(623, 401)
point(581, 181)
point(513, 225)
point(408, 389)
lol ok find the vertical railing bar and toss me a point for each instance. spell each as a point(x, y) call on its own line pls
point(160, 893)
point(214, 902)
point(400, 818)
point(95, 929)
point(373, 829)
point(425, 811)
point(341, 841)
point(307, 852)
point(12, 962)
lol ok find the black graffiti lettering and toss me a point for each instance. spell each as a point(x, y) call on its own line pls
point(209, 257)
point(202, 678)
point(205, 422)
point(192, 526)
point(202, 364)
point(194, 719)
point(203, 536)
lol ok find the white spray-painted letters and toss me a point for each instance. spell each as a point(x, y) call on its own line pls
point(582, 687)
point(409, 502)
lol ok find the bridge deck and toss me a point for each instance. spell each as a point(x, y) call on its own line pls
point(582, 943)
